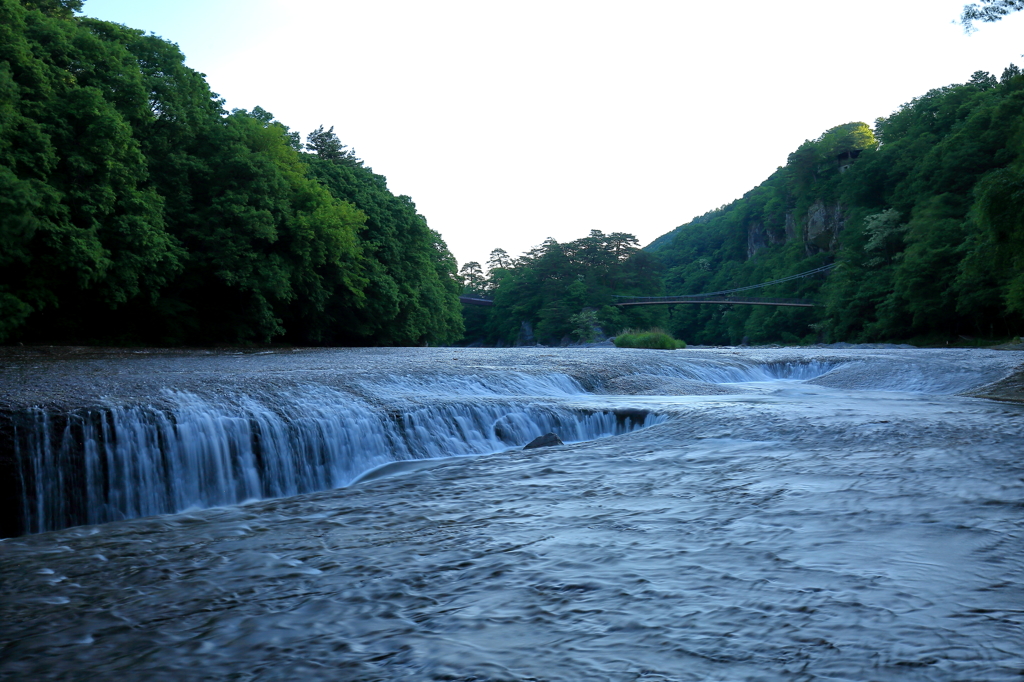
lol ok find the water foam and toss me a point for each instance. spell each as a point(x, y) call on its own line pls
point(722, 372)
point(126, 462)
point(472, 385)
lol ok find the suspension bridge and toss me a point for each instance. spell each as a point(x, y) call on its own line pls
point(726, 296)
point(731, 296)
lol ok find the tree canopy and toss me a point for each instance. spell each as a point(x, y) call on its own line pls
point(551, 285)
point(134, 209)
point(921, 214)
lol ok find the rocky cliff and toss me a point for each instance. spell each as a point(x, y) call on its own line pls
point(820, 230)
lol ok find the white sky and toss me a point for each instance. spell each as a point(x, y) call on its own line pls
point(510, 122)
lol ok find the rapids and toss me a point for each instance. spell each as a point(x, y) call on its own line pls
point(721, 515)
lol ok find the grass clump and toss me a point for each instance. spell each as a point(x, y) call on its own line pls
point(652, 338)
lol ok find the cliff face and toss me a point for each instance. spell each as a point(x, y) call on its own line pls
point(759, 236)
point(824, 223)
point(821, 228)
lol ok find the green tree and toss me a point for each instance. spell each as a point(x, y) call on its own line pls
point(412, 295)
point(81, 230)
point(268, 245)
point(133, 208)
point(585, 325)
point(499, 258)
point(999, 210)
point(474, 282)
point(326, 145)
point(550, 284)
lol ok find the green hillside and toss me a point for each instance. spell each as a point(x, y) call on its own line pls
point(923, 214)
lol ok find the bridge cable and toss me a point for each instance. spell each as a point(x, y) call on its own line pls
point(823, 268)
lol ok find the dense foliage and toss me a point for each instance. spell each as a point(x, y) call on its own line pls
point(652, 338)
point(923, 215)
point(134, 209)
point(560, 290)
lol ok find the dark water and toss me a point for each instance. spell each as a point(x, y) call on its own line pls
point(812, 529)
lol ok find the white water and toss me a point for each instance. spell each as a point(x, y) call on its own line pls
point(118, 462)
point(850, 520)
point(724, 373)
point(128, 461)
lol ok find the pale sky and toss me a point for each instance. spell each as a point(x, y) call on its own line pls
point(510, 122)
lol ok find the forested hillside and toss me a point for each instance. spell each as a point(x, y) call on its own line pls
point(924, 216)
point(135, 209)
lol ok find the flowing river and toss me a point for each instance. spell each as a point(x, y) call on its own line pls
point(370, 514)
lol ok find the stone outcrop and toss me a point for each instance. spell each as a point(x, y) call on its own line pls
point(526, 337)
point(543, 441)
point(759, 236)
point(791, 229)
point(822, 226)
point(824, 223)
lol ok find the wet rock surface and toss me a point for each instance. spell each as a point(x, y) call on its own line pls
point(547, 440)
point(1010, 389)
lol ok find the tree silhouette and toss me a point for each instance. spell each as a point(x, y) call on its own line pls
point(988, 11)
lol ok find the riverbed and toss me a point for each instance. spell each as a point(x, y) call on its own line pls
point(741, 515)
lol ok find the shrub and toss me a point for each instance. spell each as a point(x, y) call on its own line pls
point(652, 338)
point(585, 326)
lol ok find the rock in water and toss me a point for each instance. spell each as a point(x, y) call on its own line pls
point(543, 441)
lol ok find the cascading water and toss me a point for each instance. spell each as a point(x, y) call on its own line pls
point(196, 451)
point(723, 373)
point(126, 462)
point(800, 514)
point(463, 385)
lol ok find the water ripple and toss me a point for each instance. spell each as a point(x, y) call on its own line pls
point(796, 532)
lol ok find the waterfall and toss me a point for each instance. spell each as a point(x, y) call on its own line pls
point(717, 372)
point(121, 462)
point(222, 446)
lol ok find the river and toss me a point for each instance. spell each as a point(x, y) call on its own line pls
point(719, 514)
